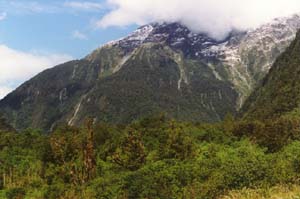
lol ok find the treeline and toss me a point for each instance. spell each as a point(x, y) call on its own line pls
point(151, 158)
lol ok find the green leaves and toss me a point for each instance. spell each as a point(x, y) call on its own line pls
point(151, 158)
point(131, 154)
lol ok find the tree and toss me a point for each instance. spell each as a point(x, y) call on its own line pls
point(177, 143)
point(131, 154)
point(89, 154)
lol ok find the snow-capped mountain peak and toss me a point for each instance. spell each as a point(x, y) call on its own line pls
point(246, 56)
point(139, 35)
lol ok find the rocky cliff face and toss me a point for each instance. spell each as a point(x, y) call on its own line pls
point(158, 68)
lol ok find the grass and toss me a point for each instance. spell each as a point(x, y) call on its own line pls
point(278, 192)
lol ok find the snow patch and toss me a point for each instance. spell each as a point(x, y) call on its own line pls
point(140, 35)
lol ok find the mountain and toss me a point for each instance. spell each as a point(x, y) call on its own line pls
point(161, 67)
point(4, 126)
point(279, 93)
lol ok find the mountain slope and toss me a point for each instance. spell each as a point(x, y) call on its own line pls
point(154, 79)
point(4, 126)
point(280, 90)
point(158, 79)
point(158, 68)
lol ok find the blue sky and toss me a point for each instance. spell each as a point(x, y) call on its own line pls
point(38, 34)
point(56, 26)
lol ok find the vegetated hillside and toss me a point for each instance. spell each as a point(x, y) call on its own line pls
point(4, 126)
point(158, 68)
point(279, 93)
point(154, 79)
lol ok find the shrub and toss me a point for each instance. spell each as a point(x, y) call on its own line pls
point(16, 193)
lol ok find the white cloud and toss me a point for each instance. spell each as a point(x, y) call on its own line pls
point(17, 66)
point(3, 16)
point(216, 17)
point(4, 90)
point(87, 6)
point(29, 7)
point(79, 35)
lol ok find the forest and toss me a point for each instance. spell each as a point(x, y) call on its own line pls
point(154, 157)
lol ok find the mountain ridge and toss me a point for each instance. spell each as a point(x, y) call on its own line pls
point(157, 68)
point(279, 92)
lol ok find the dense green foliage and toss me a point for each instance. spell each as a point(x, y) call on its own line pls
point(151, 158)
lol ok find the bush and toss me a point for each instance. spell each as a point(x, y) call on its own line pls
point(152, 158)
point(226, 167)
point(162, 179)
point(16, 193)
